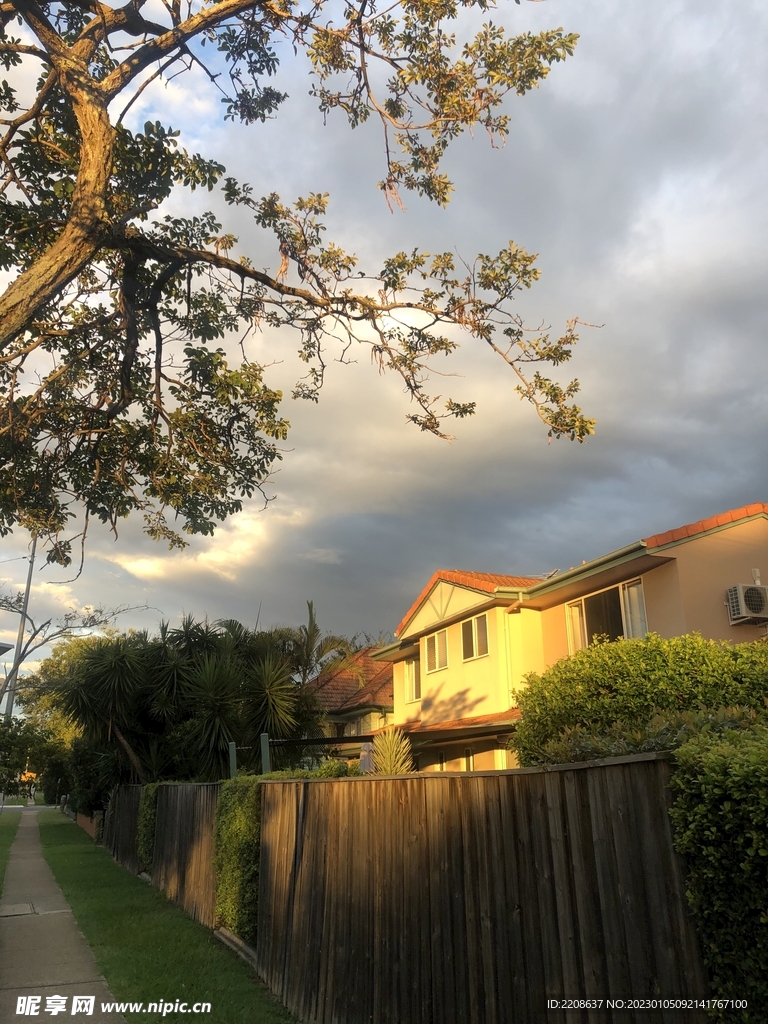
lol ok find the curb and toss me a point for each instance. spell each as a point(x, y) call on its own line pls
point(243, 950)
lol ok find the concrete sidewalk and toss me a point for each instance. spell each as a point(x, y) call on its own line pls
point(42, 951)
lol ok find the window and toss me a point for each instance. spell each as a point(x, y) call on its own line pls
point(437, 651)
point(412, 680)
point(635, 625)
point(474, 637)
point(616, 612)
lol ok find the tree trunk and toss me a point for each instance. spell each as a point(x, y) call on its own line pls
point(131, 754)
point(87, 225)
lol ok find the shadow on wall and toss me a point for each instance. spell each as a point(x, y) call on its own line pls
point(458, 705)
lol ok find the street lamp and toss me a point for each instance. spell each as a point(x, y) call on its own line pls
point(4, 648)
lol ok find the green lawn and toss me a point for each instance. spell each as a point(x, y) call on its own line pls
point(147, 948)
point(21, 801)
point(9, 822)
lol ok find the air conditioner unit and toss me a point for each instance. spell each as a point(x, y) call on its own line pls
point(747, 604)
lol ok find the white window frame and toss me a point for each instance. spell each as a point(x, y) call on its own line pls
point(622, 588)
point(412, 680)
point(434, 638)
point(474, 620)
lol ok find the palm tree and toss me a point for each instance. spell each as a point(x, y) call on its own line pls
point(101, 692)
point(172, 703)
point(312, 650)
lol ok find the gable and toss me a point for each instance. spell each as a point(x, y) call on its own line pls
point(444, 601)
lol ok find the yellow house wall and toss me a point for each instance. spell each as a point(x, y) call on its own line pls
point(464, 689)
point(404, 711)
point(525, 644)
point(554, 635)
point(708, 565)
point(663, 601)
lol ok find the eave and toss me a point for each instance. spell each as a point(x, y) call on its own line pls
point(606, 571)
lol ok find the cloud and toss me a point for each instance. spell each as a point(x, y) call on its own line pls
point(637, 173)
point(324, 556)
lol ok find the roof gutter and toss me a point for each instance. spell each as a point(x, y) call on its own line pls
point(391, 651)
point(613, 558)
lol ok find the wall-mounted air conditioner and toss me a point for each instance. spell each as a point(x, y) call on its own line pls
point(747, 604)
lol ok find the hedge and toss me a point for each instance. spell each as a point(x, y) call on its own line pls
point(630, 681)
point(665, 731)
point(721, 829)
point(145, 831)
point(236, 845)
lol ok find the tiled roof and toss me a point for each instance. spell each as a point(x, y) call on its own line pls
point(378, 693)
point(683, 532)
point(500, 718)
point(486, 582)
point(341, 685)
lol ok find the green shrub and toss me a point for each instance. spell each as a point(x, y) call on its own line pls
point(236, 855)
point(236, 845)
point(145, 832)
point(331, 769)
point(630, 681)
point(392, 753)
point(665, 731)
point(721, 824)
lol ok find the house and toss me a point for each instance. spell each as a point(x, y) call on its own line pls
point(467, 642)
point(355, 695)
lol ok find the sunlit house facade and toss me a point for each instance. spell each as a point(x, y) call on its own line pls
point(469, 639)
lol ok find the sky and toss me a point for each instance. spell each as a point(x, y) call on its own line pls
point(637, 172)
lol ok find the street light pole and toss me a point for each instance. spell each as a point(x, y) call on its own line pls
point(10, 683)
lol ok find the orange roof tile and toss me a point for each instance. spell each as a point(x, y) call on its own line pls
point(378, 693)
point(486, 582)
point(683, 532)
point(341, 685)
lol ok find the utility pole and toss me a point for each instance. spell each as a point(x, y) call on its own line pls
point(10, 683)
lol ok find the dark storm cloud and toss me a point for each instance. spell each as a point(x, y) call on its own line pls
point(637, 173)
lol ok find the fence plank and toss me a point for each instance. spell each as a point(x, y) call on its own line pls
point(182, 864)
point(455, 898)
point(469, 898)
point(121, 821)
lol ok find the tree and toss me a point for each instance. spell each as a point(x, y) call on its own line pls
point(312, 650)
point(118, 396)
point(168, 706)
point(23, 748)
point(49, 631)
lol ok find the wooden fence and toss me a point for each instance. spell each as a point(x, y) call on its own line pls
point(475, 898)
point(121, 821)
point(182, 865)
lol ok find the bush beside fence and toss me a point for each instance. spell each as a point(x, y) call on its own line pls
point(721, 821)
point(145, 826)
point(237, 845)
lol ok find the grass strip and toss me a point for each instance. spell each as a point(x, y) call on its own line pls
point(146, 947)
point(9, 822)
